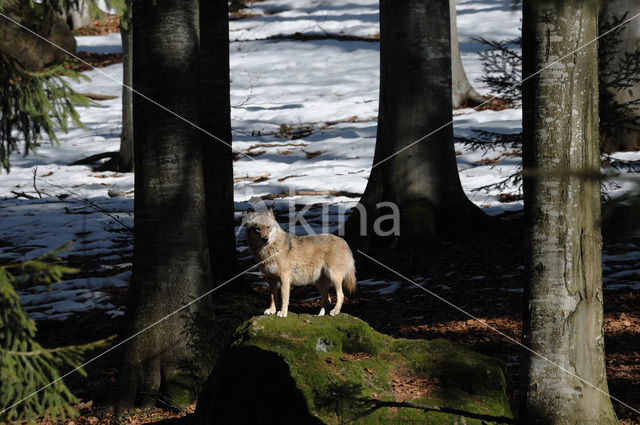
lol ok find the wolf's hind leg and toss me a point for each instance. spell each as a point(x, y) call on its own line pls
point(323, 286)
point(273, 287)
point(337, 283)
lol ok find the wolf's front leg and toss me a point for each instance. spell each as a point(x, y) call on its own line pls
point(273, 287)
point(284, 290)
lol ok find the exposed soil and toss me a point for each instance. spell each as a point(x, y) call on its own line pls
point(94, 60)
point(109, 23)
point(407, 385)
point(495, 104)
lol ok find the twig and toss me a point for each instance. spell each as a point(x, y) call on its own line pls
point(249, 96)
point(93, 205)
point(285, 194)
point(23, 195)
point(377, 404)
point(35, 175)
point(514, 180)
point(161, 398)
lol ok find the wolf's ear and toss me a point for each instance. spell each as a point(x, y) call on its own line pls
point(270, 211)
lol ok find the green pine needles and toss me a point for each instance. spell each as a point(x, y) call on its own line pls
point(32, 103)
point(28, 372)
point(39, 103)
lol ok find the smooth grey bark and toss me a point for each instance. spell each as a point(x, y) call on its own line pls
point(563, 318)
point(126, 156)
point(171, 259)
point(215, 117)
point(415, 100)
point(77, 15)
point(462, 91)
point(33, 52)
point(623, 139)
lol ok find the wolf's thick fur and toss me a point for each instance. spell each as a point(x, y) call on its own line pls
point(324, 260)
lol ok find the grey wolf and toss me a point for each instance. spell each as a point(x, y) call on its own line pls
point(324, 260)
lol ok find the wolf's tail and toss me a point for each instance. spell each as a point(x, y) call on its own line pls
point(349, 283)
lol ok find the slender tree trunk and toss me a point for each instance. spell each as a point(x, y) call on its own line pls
point(126, 137)
point(171, 258)
point(415, 99)
point(623, 138)
point(462, 91)
point(563, 315)
point(77, 15)
point(215, 117)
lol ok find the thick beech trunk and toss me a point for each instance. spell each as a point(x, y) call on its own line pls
point(563, 316)
point(462, 91)
point(171, 259)
point(415, 100)
point(215, 117)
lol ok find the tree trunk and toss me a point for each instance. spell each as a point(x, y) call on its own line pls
point(215, 117)
point(77, 16)
point(171, 258)
point(33, 52)
point(462, 91)
point(563, 316)
point(415, 99)
point(623, 138)
point(126, 137)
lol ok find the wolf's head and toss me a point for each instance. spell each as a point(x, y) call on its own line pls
point(262, 228)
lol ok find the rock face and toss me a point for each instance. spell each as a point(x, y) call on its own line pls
point(307, 370)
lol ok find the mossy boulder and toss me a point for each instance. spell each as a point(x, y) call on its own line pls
point(180, 390)
point(307, 370)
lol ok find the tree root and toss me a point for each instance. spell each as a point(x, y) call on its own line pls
point(113, 164)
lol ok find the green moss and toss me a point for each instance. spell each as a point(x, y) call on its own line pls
point(180, 390)
point(324, 351)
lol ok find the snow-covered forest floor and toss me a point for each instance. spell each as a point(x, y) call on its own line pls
point(304, 117)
